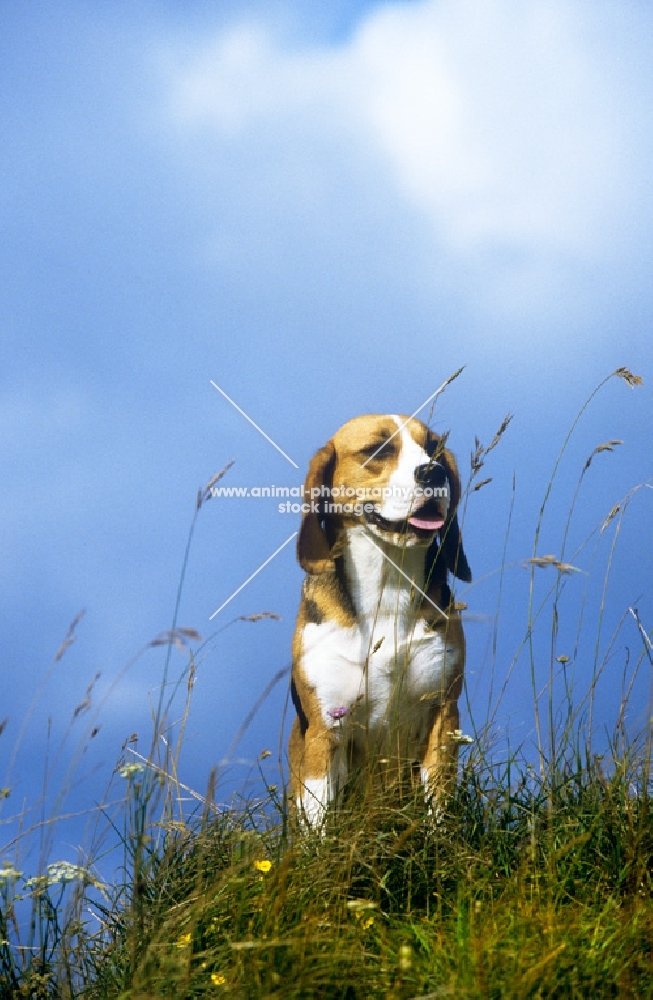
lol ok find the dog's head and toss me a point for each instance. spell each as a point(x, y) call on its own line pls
point(391, 475)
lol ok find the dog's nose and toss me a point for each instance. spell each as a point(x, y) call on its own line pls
point(433, 474)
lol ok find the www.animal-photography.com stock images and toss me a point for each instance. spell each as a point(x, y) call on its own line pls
point(327, 351)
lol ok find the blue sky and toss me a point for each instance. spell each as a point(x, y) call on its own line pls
point(326, 209)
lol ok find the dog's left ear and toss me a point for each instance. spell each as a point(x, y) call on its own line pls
point(313, 549)
point(451, 545)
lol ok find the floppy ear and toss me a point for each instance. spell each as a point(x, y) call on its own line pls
point(313, 550)
point(451, 545)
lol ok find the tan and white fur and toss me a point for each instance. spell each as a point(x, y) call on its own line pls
point(379, 650)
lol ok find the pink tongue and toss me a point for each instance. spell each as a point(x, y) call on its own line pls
point(429, 524)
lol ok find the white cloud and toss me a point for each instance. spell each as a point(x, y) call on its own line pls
point(499, 128)
point(245, 76)
point(496, 120)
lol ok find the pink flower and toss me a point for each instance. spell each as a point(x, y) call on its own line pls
point(338, 713)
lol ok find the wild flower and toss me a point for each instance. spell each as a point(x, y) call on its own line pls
point(60, 872)
point(9, 874)
point(131, 771)
point(360, 904)
point(263, 866)
point(183, 941)
point(338, 713)
point(405, 957)
point(218, 979)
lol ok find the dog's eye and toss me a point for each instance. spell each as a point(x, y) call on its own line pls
point(380, 449)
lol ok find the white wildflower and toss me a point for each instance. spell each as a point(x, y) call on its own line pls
point(9, 874)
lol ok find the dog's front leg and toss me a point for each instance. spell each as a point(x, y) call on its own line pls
point(318, 772)
point(439, 763)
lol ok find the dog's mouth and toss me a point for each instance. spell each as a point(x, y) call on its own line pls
point(426, 523)
point(423, 523)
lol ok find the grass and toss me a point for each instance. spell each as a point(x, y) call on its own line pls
point(526, 887)
point(535, 881)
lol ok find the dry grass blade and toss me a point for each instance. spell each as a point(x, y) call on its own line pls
point(545, 561)
point(85, 704)
point(607, 446)
point(476, 459)
point(627, 376)
point(441, 390)
point(480, 453)
point(177, 637)
point(206, 494)
point(190, 633)
point(613, 513)
point(499, 434)
point(69, 637)
point(259, 616)
point(453, 377)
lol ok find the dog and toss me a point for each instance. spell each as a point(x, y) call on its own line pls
point(378, 649)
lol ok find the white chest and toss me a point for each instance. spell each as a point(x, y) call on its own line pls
point(388, 667)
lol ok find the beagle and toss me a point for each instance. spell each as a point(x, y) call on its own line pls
point(378, 651)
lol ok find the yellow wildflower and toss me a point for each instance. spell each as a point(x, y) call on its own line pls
point(263, 866)
point(405, 957)
point(183, 941)
point(218, 979)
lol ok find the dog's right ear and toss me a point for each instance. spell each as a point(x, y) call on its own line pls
point(313, 550)
point(451, 545)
